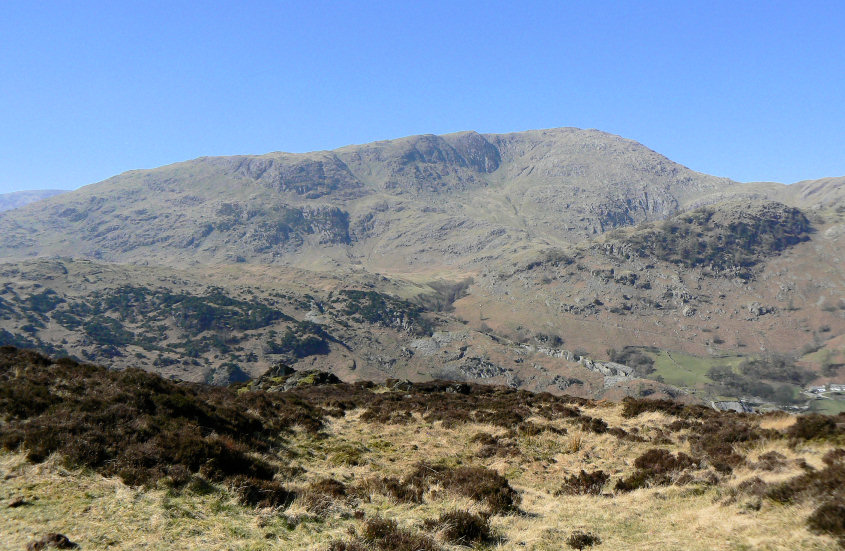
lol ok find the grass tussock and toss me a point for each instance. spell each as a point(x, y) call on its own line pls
point(582, 540)
point(480, 484)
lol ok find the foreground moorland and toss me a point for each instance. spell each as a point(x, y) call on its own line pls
point(298, 460)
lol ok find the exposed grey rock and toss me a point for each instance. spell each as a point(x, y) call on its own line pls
point(426, 346)
point(479, 368)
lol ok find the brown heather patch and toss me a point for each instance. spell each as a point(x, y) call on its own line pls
point(385, 534)
point(584, 483)
point(461, 527)
point(142, 428)
point(657, 467)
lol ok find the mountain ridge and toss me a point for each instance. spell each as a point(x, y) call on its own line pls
point(472, 191)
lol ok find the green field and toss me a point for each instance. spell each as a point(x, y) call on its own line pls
point(828, 406)
point(684, 370)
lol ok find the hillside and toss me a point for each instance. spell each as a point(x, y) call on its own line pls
point(120, 459)
point(825, 192)
point(229, 325)
point(684, 297)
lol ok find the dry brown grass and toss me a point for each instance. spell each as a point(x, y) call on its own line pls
point(777, 421)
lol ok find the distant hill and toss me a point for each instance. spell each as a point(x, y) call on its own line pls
point(17, 199)
point(822, 192)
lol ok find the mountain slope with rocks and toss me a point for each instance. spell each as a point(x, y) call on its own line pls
point(559, 260)
point(457, 200)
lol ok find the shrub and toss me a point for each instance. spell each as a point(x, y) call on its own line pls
point(660, 461)
point(829, 519)
point(813, 426)
point(631, 407)
point(725, 240)
point(261, 493)
point(385, 534)
point(478, 483)
point(771, 461)
point(656, 467)
point(824, 484)
point(490, 446)
point(634, 357)
point(716, 437)
point(320, 496)
point(777, 368)
point(391, 487)
point(54, 541)
point(580, 540)
point(141, 427)
point(354, 545)
point(754, 486)
point(461, 527)
point(834, 457)
point(592, 424)
point(584, 483)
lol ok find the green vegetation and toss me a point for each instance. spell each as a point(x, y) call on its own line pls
point(751, 376)
point(107, 331)
point(44, 301)
point(775, 378)
point(733, 240)
point(380, 309)
point(687, 371)
point(214, 311)
point(301, 340)
point(444, 296)
point(635, 357)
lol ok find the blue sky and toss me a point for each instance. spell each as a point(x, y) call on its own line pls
point(748, 90)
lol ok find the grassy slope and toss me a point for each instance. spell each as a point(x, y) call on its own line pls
point(101, 513)
point(358, 446)
point(688, 371)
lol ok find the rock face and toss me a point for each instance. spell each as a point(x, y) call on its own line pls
point(456, 199)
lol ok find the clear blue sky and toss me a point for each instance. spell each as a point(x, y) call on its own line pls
point(748, 90)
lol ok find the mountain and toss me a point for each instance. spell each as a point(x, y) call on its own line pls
point(451, 200)
point(563, 260)
point(18, 199)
